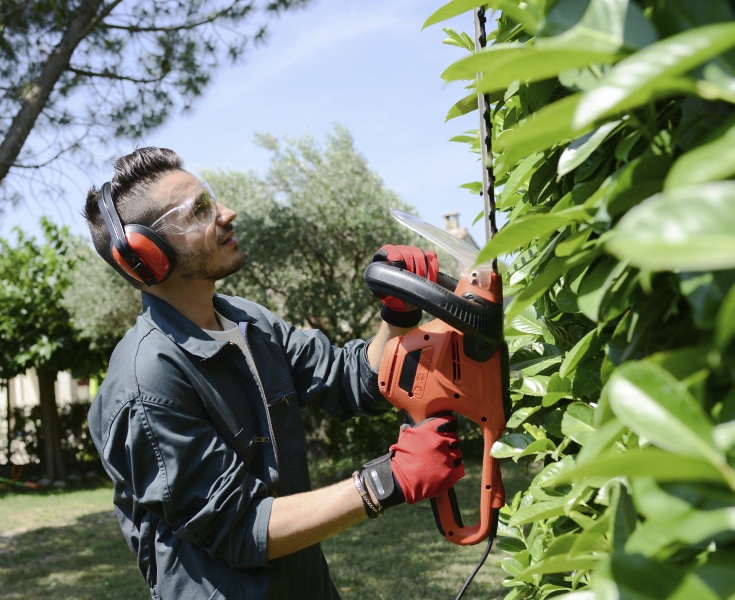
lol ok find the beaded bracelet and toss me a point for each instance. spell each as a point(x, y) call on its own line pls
point(371, 509)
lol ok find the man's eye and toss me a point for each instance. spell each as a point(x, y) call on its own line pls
point(202, 208)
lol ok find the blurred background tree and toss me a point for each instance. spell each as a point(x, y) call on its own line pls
point(85, 74)
point(308, 228)
point(36, 329)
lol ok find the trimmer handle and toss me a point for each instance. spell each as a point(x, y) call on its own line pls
point(469, 313)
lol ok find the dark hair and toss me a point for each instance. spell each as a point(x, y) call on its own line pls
point(130, 187)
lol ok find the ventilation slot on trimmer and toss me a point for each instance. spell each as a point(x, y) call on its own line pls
point(456, 359)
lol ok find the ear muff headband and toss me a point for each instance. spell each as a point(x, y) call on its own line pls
point(136, 249)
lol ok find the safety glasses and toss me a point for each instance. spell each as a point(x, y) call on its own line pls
point(196, 212)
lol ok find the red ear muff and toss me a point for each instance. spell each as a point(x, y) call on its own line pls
point(137, 250)
point(152, 252)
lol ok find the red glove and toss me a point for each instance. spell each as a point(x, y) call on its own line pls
point(424, 462)
point(423, 263)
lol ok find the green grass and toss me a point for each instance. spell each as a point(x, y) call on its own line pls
point(67, 545)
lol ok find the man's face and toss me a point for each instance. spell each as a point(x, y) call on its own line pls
point(209, 251)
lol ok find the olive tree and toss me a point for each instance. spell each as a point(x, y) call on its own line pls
point(308, 229)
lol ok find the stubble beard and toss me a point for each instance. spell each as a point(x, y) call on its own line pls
point(196, 265)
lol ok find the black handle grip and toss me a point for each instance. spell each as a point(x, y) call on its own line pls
point(472, 316)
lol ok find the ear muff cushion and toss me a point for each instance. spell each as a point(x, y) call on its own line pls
point(152, 251)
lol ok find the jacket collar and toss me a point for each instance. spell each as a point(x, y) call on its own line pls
point(182, 331)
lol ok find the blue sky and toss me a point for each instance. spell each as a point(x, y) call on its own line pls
point(366, 66)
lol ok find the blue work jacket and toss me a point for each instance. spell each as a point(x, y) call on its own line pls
point(199, 437)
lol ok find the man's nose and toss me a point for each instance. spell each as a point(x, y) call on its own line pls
point(225, 215)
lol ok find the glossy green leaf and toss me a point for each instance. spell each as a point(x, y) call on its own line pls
point(452, 9)
point(537, 511)
point(511, 445)
point(534, 386)
point(623, 516)
point(588, 542)
point(577, 422)
point(655, 500)
point(561, 564)
point(460, 40)
point(710, 162)
point(688, 229)
point(725, 329)
point(527, 14)
point(518, 179)
point(574, 242)
point(541, 447)
point(503, 64)
point(652, 72)
point(466, 139)
point(682, 363)
point(561, 545)
point(582, 148)
point(519, 415)
point(509, 544)
point(527, 322)
point(556, 390)
point(550, 275)
point(536, 365)
point(552, 471)
point(704, 292)
point(602, 25)
point(647, 462)
point(548, 126)
point(717, 572)
point(512, 566)
point(463, 107)
point(525, 230)
point(657, 406)
point(577, 353)
point(691, 527)
point(635, 576)
point(633, 183)
point(595, 285)
point(724, 436)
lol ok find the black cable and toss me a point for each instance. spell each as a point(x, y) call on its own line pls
point(485, 554)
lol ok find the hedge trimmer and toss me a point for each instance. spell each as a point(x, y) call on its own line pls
point(457, 362)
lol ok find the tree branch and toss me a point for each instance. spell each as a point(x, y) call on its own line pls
point(107, 75)
point(84, 20)
point(191, 25)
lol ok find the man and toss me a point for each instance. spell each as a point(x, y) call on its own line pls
point(198, 420)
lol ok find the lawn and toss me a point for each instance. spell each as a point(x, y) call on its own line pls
point(67, 545)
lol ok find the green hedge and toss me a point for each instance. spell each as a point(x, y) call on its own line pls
point(614, 154)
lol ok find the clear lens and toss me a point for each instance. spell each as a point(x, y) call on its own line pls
point(194, 213)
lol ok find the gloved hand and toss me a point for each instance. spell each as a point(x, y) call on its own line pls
point(410, 258)
point(424, 462)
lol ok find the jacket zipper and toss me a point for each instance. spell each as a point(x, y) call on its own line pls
point(251, 363)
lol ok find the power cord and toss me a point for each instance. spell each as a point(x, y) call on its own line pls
point(483, 558)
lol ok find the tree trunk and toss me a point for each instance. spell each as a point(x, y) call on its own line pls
point(53, 459)
point(4, 383)
point(83, 21)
